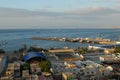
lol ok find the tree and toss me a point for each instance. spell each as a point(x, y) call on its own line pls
point(45, 66)
point(81, 50)
point(117, 51)
point(26, 66)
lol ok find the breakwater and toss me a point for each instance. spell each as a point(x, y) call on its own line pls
point(80, 40)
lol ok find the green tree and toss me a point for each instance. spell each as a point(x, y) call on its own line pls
point(117, 51)
point(81, 50)
point(45, 66)
point(26, 66)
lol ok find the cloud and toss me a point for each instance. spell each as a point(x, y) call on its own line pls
point(96, 11)
point(91, 17)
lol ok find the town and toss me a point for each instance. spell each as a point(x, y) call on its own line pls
point(59, 40)
point(35, 63)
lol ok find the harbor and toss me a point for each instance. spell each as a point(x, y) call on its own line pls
point(80, 40)
point(71, 57)
point(59, 40)
point(79, 62)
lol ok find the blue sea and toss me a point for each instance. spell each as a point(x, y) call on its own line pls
point(15, 38)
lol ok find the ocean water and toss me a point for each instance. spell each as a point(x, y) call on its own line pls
point(15, 38)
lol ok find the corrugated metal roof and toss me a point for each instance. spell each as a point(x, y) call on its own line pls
point(33, 54)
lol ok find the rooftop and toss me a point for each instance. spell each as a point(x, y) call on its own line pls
point(30, 55)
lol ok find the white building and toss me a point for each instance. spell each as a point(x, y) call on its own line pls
point(86, 68)
point(111, 57)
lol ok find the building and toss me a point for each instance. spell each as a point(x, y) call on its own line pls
point(34, 68)
point(7, 78)
point(34, 57)
point(109, 58)
point(109, 51)
point(10, 69)
point(25, 73)
point(103, 47)
point(17, 69)
point(69, 76)
point(64, 50)
point(85, 69)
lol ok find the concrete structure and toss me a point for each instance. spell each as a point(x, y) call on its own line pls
point(34, 68)
point(13, 69)
point(95, 48)
point(34, 77)
point(10, 69)
point(17, 69)
point(69, 76)
point(103, 47)
point(109, 51)
point(61, 51)
point(25, 73)
point(111, 57)
point(86, 68)
point(7, 78)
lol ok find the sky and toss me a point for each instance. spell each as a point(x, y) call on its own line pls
point(17, 14)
